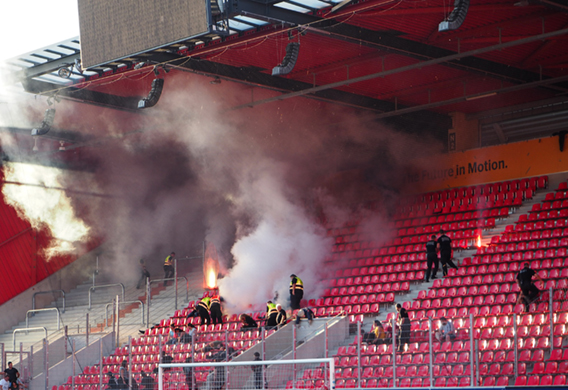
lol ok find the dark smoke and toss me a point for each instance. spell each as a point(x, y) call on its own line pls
point(257, 183)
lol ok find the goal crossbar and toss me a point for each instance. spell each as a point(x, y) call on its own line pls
point(329, 362)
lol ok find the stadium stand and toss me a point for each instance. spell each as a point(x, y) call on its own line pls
point(370, 276)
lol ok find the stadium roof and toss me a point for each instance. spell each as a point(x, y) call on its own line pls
point(386, 56)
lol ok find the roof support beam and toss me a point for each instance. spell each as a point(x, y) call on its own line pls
point(253, 77)
point(82, 95)
point(418, 65)
point(384, 41)
point(480, 95)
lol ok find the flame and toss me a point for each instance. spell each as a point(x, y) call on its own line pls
point(41, 200)
point(211, 278)
point(211, 266)
point(479, 241)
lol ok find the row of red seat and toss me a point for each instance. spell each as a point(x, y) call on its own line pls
point(461, 206)
point(556, 247)
point(451, 381)
point(408, 263)
point(363, 291)
point(551, 224)
point(445, 218)
point(407, 204)
point(462, 226)
point(555, 203)
point(543, 215)
point(494, 265)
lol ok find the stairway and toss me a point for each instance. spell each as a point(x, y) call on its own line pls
point(77, 309)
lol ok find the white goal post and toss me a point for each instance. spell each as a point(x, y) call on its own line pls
point(316, 374)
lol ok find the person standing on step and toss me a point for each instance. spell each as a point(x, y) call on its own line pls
point(296, 291)
point(431, 258)
point(169, 267)
point(403, 322)
point(445, 248)
point(257, 369)
point(144, 274)
point(529, 292)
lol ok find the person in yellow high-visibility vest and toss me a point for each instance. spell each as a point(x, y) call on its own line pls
point(203, 310)
point(296, 291)
point(215, 309)
point(169, 267)
point(271, 314)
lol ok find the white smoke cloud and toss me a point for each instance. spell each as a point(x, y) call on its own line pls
point(285, 241)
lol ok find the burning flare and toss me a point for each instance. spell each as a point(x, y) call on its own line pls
point(478, 242)
point(211, 266)
point(211, 279)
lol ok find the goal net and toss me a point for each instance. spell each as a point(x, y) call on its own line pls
point(317, 374)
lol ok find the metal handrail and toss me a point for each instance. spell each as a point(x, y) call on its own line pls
point(124, 303)
point(179, 277)
point(105, 286)
point(49, 292)
point(26, 330)
point(47, 309)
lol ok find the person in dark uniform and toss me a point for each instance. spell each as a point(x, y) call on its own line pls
point(169, 267)
point(271, 314)
point(257, 369)
point(190, 379)
point(215, 308)
point(147, 382)
point(247, 322)
point(203, 309)
point(282, 317)
point(296, 291)
point(193, 313)
point(111, 384)
point(529, 292)
point(445, 248)
point(404, 327)
point(431, 258)
point(143, 274)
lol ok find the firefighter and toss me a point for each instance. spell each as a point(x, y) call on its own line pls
point(296, 291)
point(203, 309)
point(215, 308)
point(169, 268)
point(271, 314)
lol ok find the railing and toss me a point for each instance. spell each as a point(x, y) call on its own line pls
point(93, 288)
point(26, 330)
point(175, 280)
point(48, 292)
point(125, 303)
point(40, 310)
